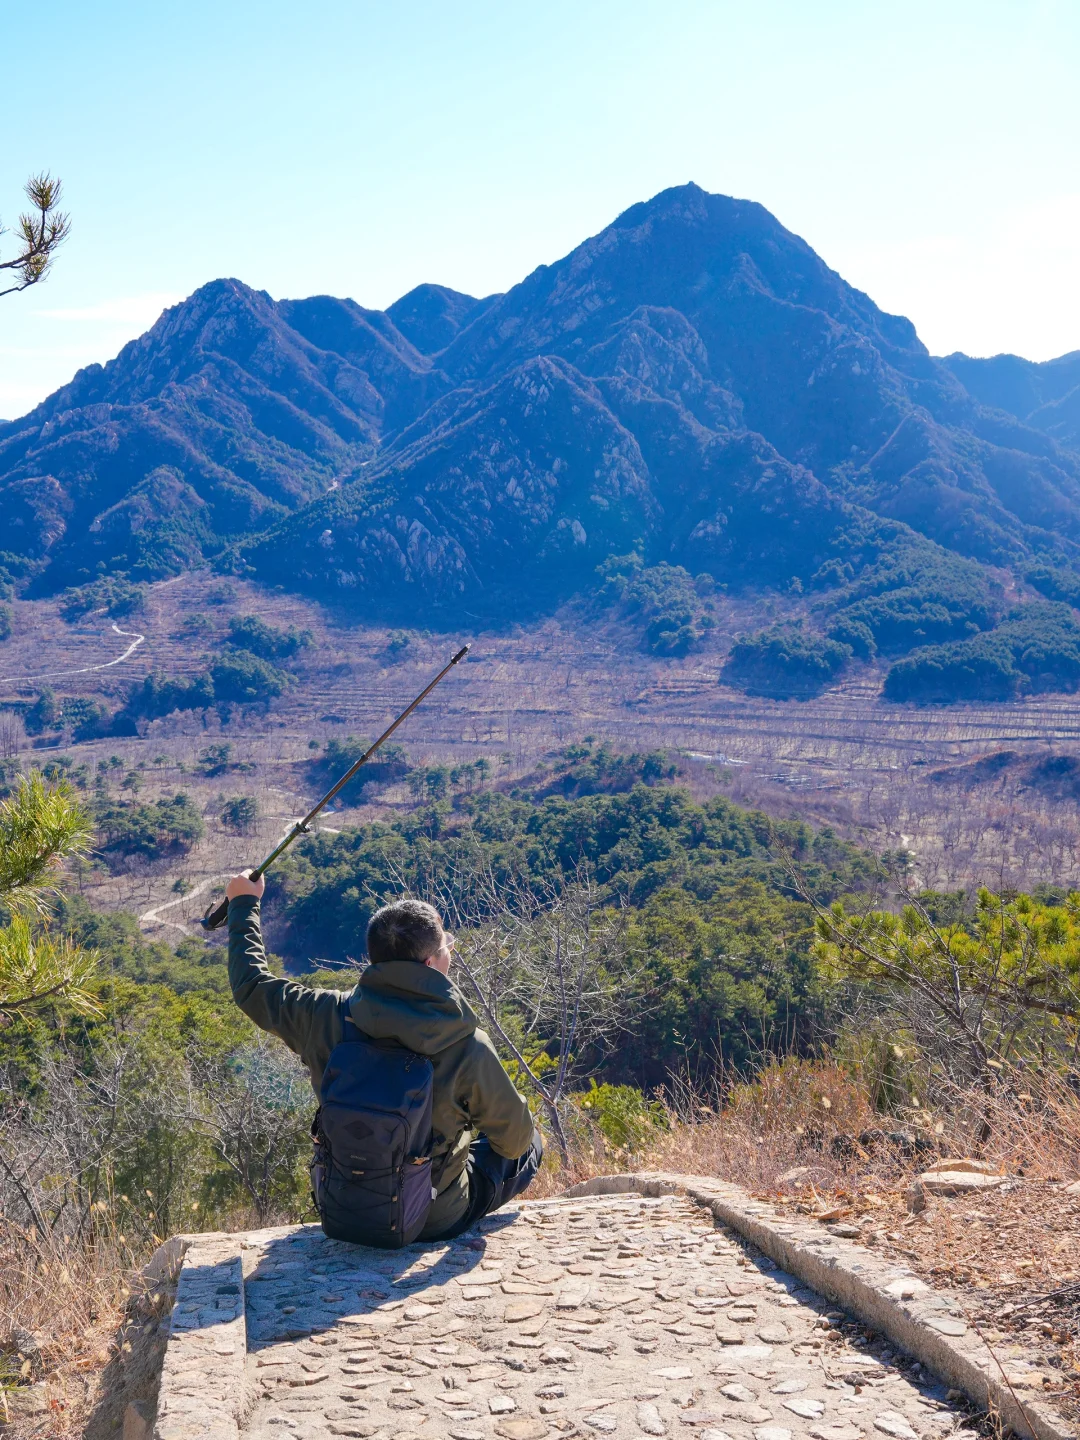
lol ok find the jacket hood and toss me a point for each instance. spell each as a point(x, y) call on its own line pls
point(413, 1004)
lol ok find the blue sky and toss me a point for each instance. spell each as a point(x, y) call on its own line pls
point(928, 151)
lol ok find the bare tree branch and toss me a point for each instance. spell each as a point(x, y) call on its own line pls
point(548, 965)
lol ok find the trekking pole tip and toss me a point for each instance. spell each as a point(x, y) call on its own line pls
point(460, 654)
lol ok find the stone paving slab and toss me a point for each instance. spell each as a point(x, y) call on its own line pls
point(616, 1313)
point(927, 1323)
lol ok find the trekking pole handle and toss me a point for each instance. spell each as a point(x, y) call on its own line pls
point(215, 918)
point(217, 915)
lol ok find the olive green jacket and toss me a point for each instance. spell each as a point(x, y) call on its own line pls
point(419, 1008)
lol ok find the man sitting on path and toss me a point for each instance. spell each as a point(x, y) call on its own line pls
point(485, 1149)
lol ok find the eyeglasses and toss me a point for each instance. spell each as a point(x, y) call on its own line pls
point(448, 940)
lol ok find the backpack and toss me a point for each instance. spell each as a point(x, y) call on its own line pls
point(371, 1171)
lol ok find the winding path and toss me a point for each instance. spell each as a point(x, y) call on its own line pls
point(136, 641)
point(151, 916)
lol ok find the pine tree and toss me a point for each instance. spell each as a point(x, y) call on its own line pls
point(40, 827)
point(41, 231)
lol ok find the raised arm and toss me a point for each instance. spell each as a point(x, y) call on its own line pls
point(307, 1020)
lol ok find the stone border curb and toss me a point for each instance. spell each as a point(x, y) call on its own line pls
point(203, 1394)
point(926, 1323)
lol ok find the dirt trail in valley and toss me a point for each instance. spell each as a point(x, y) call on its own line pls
point(133, 635)
point(153, 915)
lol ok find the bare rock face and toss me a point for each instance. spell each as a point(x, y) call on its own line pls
point(964, 1166)
point(916, 1197)
point(28, 1347)
point(30, 1400)
point(138, 1421)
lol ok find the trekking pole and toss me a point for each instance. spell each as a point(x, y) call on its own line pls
point(216, 917)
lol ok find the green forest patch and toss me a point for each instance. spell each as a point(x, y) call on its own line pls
point(1035, 650)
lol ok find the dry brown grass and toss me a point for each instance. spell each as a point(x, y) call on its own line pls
point(796, 1111)
point(65, 1309)
point(845, 758)
point(1011, 1255)
point(82, 1331)
point(1028, 1122)
point(808, 1116)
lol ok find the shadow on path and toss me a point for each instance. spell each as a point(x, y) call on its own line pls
point(304, 1283)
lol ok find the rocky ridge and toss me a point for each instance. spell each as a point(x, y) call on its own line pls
point(694, 383)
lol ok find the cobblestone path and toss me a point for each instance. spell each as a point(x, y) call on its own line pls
point(614, 1315)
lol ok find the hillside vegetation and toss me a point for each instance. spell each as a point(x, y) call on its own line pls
point(748, 1006)
point(1036, 648)
point(739, 941)
point(693, 387)
point(721, 940)
point(786, 662)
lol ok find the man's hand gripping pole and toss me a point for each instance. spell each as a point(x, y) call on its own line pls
point(216, 917)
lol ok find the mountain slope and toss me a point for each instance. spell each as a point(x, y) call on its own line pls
point(513, 496)
point(487, 496)
point(1044, 395)
point(701, 321)
point(693, 384)
point(249, 417)
point(431, 315)
point(828, 378)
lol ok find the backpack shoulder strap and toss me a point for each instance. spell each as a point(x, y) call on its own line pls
point(349, 1028)
point(351, 1031)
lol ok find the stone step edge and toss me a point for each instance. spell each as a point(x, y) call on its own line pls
point(203, 1390)
point(885, 1295)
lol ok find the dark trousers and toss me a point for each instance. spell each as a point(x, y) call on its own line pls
point(494, 1181)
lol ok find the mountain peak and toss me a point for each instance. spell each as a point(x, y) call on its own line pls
point(210, 304)
point(429, 316)
point(686, 199)
point(689, 370)
point(728, 265)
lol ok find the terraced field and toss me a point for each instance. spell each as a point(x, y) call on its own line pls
point(891, 776)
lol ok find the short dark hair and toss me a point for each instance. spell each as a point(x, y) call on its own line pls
point(404, 930)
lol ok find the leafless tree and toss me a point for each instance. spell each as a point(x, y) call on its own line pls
point(257, 1113)
point(125, 1116)
point(52, 1175)
point(41, 231)
point(549, 967)
point(12, 734)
